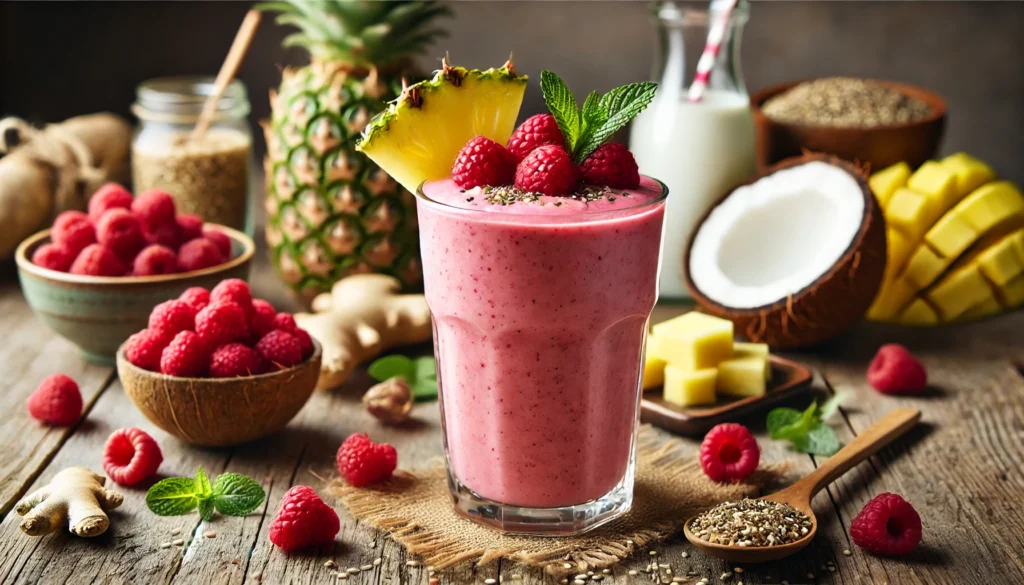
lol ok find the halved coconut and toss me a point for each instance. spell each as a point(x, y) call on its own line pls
point(792, 257)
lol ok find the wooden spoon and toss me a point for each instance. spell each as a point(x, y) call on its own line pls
point(800, 494)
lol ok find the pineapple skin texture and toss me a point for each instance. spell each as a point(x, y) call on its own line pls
point(332, 212)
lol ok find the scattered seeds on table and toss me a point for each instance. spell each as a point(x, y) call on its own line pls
point(847, 552)
point(725, 576)
point(632, 572)
point(366, 568)
point(210, 534)
point(596, 577)
point(165, 545)
point(606, 571)
point(579, 582)
point(342, 576)
point(330, 564)
point(489, 581)
point(177, 542)
point(581, 576)
point(376, 562)
point(352, 571)
point(235, 561)
point(176, 532)
point(653, 553)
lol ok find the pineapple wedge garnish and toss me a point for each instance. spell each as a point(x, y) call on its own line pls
point(419, 135)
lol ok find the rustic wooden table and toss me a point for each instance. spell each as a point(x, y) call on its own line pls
point(963, 469)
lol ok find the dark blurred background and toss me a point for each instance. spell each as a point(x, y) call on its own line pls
point(61, 59)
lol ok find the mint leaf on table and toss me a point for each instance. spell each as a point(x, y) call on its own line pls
point(822, 440)
point(236, 495)
point(562, 104)
point(391, 366)
point(173, 496)
point(807, 431)
point(420, 374)
point(202, 484)
point(831, 406)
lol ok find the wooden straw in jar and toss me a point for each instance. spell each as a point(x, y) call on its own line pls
point(227, 71)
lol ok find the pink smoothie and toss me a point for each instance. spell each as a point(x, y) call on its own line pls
point(539, 316)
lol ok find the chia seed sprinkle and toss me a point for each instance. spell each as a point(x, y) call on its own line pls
point(489, 581)
point(845, 102)
point(510, 195)
point(751, 523)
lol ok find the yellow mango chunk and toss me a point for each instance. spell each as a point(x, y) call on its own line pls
point(937, 182)
point(885, 182)
point(898, 249)
point(1011, 294)
point(654, 366)
point(958, 291)
point(743, 376)
point(689, 388)
point(891, 299)
point(924, 267)
point(951, 235)
point(990, 204)
point(745, 349)
point(919, 312)
point(986, 308)
point(694, 341)
point(970, 172)
point(1000, 262)
point(910, 212)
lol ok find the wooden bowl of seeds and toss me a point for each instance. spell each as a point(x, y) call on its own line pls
point(866, 121)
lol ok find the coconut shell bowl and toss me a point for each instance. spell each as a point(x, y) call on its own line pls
point(219, 412)
point(879, 146)
point(97, 313)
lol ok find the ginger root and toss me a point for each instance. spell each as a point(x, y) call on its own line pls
point(361, 317)
point(75, 494)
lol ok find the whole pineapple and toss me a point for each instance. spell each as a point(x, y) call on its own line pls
point(332, 212)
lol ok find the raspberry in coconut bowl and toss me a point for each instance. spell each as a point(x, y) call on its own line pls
point(218, 367)
point(94, 276)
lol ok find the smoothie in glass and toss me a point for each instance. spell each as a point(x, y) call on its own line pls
point(540, 309)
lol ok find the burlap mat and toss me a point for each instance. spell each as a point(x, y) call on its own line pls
point(670, 487)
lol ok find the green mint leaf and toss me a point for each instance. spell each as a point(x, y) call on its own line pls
point(425, 368)
point(206, 508)
point(391, 366)
point(562, 104)
point(424, 389)
point(236, 495)
point(173, 496)
point(593, 115)
point(781, 421)
point(822, 440)
point(203, 488)
point(831, 406)
point(622, 105)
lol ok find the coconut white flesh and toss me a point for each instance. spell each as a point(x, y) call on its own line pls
point(776, 236)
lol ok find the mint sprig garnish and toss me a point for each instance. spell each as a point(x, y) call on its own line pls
point(601, 116)
point(232, 494)
point(420, 374)
point(807, 431)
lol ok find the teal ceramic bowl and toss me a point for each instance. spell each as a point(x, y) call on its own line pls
point(98, 313)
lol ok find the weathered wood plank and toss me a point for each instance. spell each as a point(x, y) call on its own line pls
point(30, 352)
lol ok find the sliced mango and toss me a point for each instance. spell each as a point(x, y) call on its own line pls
point(910, 212)
point(898, 249)
point(1011, 294)
point(919, 312)
point(893, 297)
point(924, 267)
point(885, 182)
point(743, 376)
point(694, 341)
point(689, 388)
point(970, 172)
point(959, 291)
point(1001, 262)
point(986, 308)
point(936, 182)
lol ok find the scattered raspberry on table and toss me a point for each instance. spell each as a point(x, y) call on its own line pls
point(362, 462)
point(57, 401)
point(131, 456)
point(303, 521)
point(895, 370)
point(729, 453)
point(887, 525)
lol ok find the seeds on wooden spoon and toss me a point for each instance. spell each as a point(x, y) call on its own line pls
point(751, 523)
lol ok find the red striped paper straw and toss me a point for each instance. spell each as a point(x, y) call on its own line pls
point(714, 44)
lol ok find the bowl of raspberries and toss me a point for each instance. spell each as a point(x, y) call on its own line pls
point(94, 276)
point(218, 367)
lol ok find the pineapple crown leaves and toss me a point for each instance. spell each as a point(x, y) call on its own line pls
point(357, 31)
point(601, 117)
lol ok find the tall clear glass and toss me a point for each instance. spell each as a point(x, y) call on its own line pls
point(539, 320)
point(700, 149)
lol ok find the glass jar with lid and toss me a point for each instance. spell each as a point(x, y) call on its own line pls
point(210, 176)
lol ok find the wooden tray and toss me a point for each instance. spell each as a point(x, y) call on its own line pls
point(789, 378)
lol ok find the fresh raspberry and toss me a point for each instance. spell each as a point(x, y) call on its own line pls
point(73, 231)
point(729, 453)
point(305, 342)
point(535, 131)
point(285, 322)
point(186, 356)
point(261, 321)
point(222, 322)
point(280, 348)
point(155, 259)
point(131, 456)
point(109, 196)
point(145, 348)
point(234, 290)
point(362, 462)
point(191, 226)
point(895, 370)
point(234, 359)
point(56, 401)
point(483, 162)
point(612, 165)
point(173, 317)
point(887, 525)
point(197, 297)
point(197, 254)
point(120, 231)
point(220, 238)
point(303, 521)
point(154, 207)
point(98, 260)
point(54, 257)
point(547, 170)
point(165, 234)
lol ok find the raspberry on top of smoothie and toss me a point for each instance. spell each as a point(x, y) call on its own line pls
point(561, 154)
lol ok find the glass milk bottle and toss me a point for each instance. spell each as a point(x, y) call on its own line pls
point(700, 150)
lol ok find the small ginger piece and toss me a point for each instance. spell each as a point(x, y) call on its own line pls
point(75, 494)
point(362, 316)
